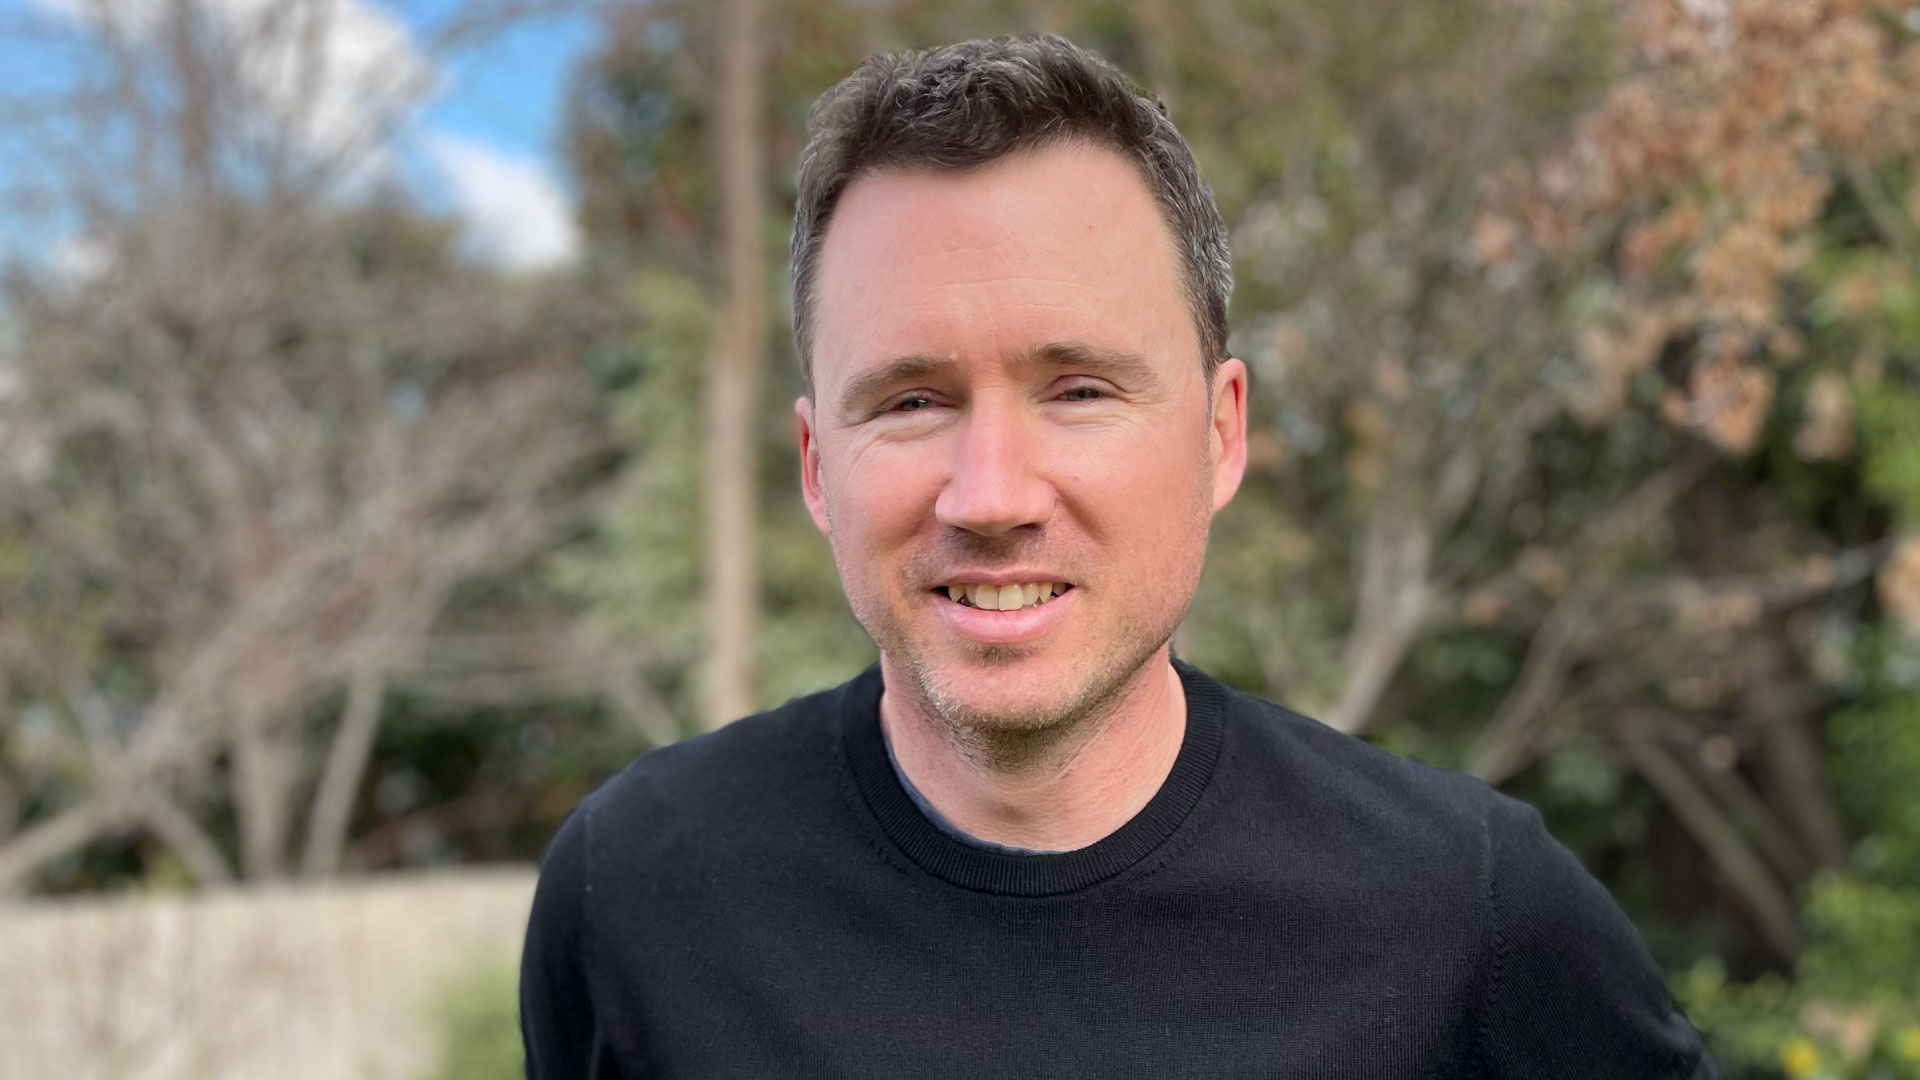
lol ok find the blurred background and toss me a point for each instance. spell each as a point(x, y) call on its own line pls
point(394, 441)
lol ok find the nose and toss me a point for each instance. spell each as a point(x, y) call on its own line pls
point(996, 485)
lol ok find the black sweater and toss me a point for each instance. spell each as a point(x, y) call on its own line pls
point(766, 901)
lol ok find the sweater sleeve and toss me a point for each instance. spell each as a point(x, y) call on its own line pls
point(559, 1030)
point(1570, 989)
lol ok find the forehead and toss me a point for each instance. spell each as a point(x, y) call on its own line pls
point(1061, 243)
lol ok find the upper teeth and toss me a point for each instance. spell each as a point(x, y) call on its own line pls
point(1007, 597)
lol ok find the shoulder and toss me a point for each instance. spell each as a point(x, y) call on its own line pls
point(1353, 796)
point(750, 766)
point(1566, 985)
point(727, 794)
point(1425, 805)
point(1351, 790)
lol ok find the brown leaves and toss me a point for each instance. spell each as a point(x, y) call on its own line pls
point(1366, 461)
point(1613, 355)
point(1647, 243)
point(1736, 275)
point(1898, 584)
point(1495, 238)
point(1826, 426)
point(1715, 614)
point(1726, 401)
point(1852, 1029)
point(1855, 97)
point(1545, 571)
point(1483, 606)
point(1710, 163)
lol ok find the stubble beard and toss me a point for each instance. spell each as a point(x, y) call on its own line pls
point(1047, 736)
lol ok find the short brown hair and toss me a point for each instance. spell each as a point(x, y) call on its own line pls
point(963, 105)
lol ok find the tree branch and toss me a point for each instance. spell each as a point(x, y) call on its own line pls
point(1504, 746)
point(1790, 758)
point(1393, 597)
point(177, 830)
point(1762, 895)
point(64, 833)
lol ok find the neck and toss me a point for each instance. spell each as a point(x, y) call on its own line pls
point(1068, 789)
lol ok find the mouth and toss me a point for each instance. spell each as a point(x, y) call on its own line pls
point(991, 597)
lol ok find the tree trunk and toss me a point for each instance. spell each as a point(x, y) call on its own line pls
point(346, 766)
point(264, 769)
point(733, 374)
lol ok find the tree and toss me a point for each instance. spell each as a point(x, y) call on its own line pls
point(258, 445)
point(1739, 189)
point(733, 373)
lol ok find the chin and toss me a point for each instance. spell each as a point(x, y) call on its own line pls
point(1005, 713)
point(1012, 687)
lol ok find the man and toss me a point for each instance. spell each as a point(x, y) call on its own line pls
point(1027, 842)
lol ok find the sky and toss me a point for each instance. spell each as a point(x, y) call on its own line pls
point(483, 146)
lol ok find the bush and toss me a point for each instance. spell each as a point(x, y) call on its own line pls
point(1852, 1010)
point(476, 1014)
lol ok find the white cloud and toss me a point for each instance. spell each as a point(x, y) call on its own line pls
point(327, 74)
point(78, 261)
point(516, 214)
point(331, 78)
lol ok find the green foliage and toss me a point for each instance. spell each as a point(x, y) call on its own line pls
point(1890, 428)
point(476, 1019)
point(1870, 940)
point(1851, 1009)
point(643, 571)
point(1876, 768)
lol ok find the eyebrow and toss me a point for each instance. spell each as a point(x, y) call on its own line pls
point(1128, 369)
point(870, 384)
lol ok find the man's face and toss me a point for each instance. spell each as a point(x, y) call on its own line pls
point(1008, 392)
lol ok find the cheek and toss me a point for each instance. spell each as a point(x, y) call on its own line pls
point(1147, 494)
point(1134, 466)
point(876, 498)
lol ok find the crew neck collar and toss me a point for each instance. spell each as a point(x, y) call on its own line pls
point(1041, 874)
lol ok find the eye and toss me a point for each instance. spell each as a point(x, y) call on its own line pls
point(913, 401)
point(1082, 393)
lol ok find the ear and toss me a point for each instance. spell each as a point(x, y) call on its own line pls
point(810, 488)
point(1228, 437)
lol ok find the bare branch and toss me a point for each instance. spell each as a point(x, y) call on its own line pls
point(1763, 896)
point(1393, 597)
point(51, 838)
point(178, 831)
point(1506, 743)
